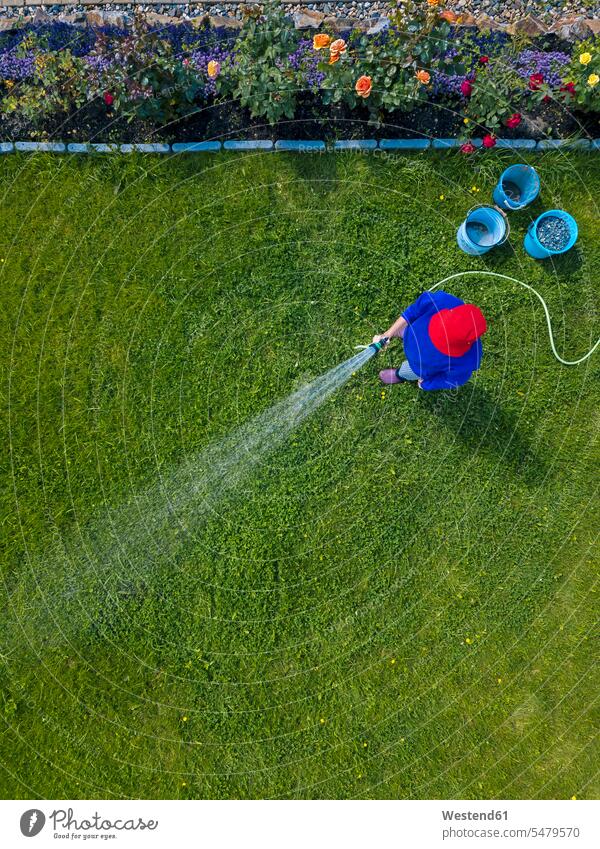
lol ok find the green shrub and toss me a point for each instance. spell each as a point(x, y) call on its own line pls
point(584, 73)
point(496, 91)
point(399, 65)
point(261, 78)
point(57, 84)
point(146, 79)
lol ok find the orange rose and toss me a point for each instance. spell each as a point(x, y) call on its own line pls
point(321, 40)
point(338, 46)
point(423, 77)
point(433, 2)
point(333, 58)
point(363, 86)
point(449, 17)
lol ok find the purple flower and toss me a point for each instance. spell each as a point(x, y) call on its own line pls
point(98, 63)
point(304, 61)
point(549, 65)
point(200, 58)
point(14, 67)
point(448, 84)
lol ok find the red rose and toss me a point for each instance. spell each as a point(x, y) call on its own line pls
point(514, 120)
point(570, 87)
point(108, 98)
point(483, 60)
point(535, 81)
point(467, 88)
point(467, 147)
point(489, 140)
point(546, 98)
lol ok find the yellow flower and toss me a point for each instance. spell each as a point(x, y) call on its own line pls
point(442, 197)
point(465, 120)
point(213, 69)
point(321, 40)
point(322, 721)
point(468, 641)
point(585, 58)
point(593, 79)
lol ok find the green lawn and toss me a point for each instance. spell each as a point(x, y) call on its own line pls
point(401, 601)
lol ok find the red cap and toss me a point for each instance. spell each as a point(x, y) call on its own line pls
point(454, 331)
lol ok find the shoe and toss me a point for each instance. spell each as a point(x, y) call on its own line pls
point(390, 375)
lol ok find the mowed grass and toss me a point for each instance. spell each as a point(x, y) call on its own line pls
point(401, 601)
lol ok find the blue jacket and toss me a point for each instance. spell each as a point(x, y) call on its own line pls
point(437, 370)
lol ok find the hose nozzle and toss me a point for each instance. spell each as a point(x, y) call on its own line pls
point(377, 346)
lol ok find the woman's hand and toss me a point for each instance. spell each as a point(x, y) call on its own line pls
point(380, 336)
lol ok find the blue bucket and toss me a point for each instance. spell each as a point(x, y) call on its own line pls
point(484, 228)
point(517, 187)
point(536, 249)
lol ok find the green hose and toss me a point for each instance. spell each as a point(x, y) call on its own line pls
point(538, 296)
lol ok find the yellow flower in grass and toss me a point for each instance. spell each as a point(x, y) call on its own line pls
point(585, 58)
point(593, 79)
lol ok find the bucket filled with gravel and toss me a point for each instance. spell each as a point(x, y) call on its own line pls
point(553, 232)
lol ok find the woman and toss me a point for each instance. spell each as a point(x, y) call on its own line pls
point(441, 337)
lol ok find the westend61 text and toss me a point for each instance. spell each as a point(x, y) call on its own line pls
point(475, 815)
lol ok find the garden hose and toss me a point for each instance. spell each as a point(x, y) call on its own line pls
point(525, 286)
point(538, 296)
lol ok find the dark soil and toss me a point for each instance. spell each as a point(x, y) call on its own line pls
point(312, 121)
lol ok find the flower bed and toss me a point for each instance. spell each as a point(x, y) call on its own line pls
point(420, 77)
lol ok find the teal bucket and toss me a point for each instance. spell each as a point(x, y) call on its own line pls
point(484, 228)
point(517, 187)
point(537, 249)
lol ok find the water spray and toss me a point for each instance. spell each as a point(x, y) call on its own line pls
point(120, 548)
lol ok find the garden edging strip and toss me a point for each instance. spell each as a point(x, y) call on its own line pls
point(293, 146)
